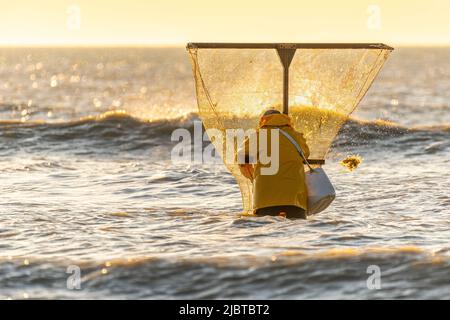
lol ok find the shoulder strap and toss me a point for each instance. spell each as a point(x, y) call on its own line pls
point(296, 145)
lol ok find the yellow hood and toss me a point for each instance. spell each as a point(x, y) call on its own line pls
point(275, 120)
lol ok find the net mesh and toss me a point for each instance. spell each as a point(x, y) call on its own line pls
point(234, 86)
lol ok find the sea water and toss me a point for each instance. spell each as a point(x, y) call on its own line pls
point(92, 206)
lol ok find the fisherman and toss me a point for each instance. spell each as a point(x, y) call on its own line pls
point(283, 193)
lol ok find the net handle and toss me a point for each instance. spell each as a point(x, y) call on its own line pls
point(286, 54)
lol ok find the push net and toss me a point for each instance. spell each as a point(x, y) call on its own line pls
point(236, 83)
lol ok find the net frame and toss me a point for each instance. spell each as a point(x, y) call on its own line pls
point(239, 45)
point(286, 52)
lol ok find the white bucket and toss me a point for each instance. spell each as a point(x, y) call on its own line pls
point(320, 191)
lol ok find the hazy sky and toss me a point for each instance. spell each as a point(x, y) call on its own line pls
point(144, 22)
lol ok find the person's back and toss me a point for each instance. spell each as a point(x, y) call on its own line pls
point(285, 191)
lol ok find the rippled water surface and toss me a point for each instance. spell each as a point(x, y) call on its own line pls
point(85, 185)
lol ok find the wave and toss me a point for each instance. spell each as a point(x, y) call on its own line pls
point(110, 130)
point(118, 128)
point(186, 121)
point(109, 118)
point(295, 275)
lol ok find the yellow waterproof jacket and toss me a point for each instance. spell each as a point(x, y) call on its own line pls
point(287, 186)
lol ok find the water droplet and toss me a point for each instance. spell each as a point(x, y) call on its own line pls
point(143, 90)
point(394, 102)
point(75, 79)
point(97, 103)
point(53, 81)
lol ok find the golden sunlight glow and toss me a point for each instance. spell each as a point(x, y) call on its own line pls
point(144, 22)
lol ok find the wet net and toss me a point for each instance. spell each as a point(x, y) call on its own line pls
point(235, 85)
